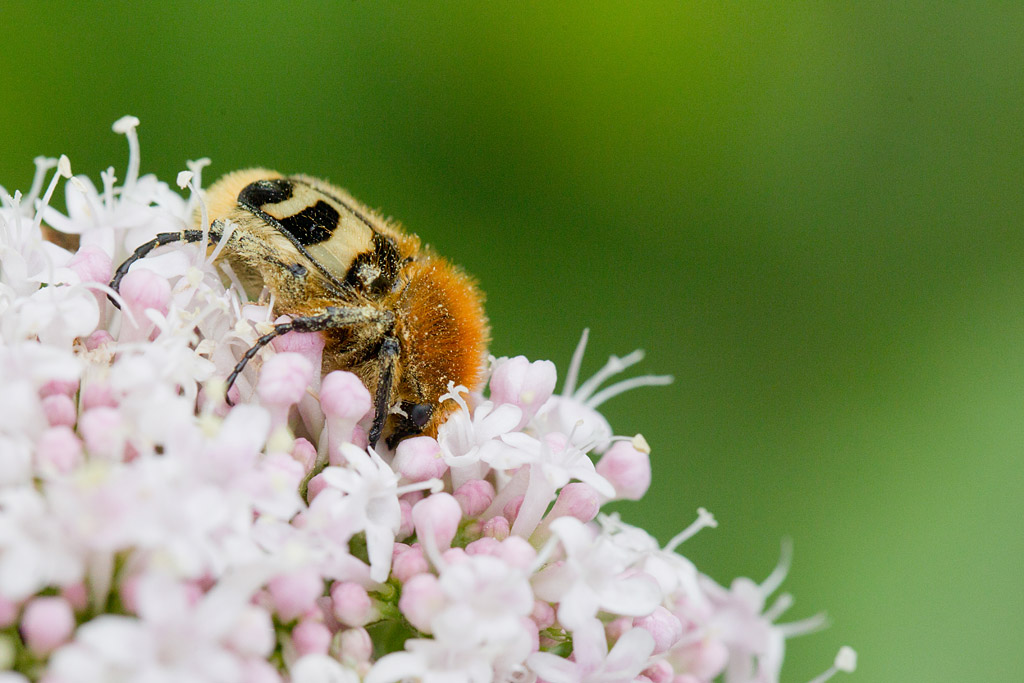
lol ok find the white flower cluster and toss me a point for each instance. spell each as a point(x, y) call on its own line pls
point(149, 531)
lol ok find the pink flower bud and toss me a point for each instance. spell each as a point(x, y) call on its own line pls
point(437, 515)
point(59, 386)
point(97, 394)
point(705, 658)
point(543, 614)
point(512, 508)
point(484, 546)
point(101, 429)
point(517, 552)
point(406, 527)
point(422, 598)
point(58, 450)
point(294, 593)
point(664, 627)
point(351, 604)
point(253, 633)
point(497, 527)
point(46, 624)
point(311, 637)
point(530, 628)
point(522, 383)
point(59, 410)
point(315, 486)
point(304, 453)
point(282, 383)
point(409, 564)
point(345, 401)
point(97, 339)
point(454, 556)
point(627, 469)
point(419, 459)
point(76, 594)
point(576, 499)
point(142, 290)
point(475, 496)
point(659, 672)
point(355, 646)
point(259, 671)
point(308, 345)
point(617, 627)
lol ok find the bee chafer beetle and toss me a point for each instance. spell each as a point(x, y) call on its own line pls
point(403, 319)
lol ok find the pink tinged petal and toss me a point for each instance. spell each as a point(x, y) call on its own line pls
point(524, 384)
point(311, 637)
point(664, 627)
point(46, 624)
point(92, 264)
point(628, 470)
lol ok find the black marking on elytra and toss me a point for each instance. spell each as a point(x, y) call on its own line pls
point(297, 269)
point(331, 278)
point(312, 225)
point(263, 192)
point(375, 271)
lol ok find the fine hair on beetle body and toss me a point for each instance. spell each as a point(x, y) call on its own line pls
point(402, 318)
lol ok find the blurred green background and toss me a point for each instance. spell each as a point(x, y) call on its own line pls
point(809, 214)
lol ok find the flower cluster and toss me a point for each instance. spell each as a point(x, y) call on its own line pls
point(150, 530)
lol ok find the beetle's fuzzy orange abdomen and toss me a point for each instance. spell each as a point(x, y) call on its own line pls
point(444, 331)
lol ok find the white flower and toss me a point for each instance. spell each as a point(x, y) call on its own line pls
point(430, 661)
point(487, 601)
point(371, 502)
point(592, 661)
point(592, 577)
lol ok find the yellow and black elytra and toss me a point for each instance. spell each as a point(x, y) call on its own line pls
point(403, 319)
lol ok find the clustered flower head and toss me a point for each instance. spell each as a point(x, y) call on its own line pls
point(151, 530)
